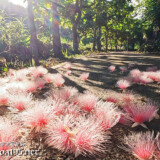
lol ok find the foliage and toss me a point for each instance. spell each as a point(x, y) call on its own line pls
point(13, 31)
point(112, 24)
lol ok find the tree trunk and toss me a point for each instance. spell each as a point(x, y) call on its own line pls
point(57, 47)
point(99, 39)
point(33, 32)
point(94, 40)
point(106, 37)
point(111, 43)
point(75, 39)
point(75, 25)
point(116, 45)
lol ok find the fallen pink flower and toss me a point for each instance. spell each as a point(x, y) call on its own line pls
point(113, 97)
point(123, 84)
point(142, 113)
point(64, 94)
point(76, 136)
point(89, 139)
point(60, 133)
point(107, 115)
point(135, 72)
point(58, 80)
point(144, 80)
point(15, 87)
point(69, 72)
point(20, 101)
point(128, 98)
point(9, 134)
point(38, 71)
point(157, 142)
point(152, 75)
point(125, 120)
point(49, 78)
point(40, 83)
point(38, 116)
point(67, 66)
point(11, 72)
point(87, 101)
point(112, 68)
point(30, 86)
point(4, 97)
point(141, 145)
point(84, 76)
point(123, 69)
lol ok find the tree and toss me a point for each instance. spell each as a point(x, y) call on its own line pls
point(57, 48)
point(33, 32)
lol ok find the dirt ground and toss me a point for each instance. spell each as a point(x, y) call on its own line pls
point(100, 82)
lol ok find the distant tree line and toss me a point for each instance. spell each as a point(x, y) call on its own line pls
point(59, 27)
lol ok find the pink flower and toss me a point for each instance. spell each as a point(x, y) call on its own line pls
point(142, 113)
point(84, 76)
point(136, 79)
point(128, 98)
point(11, 72)
point(112, 68)
point(20, 75)
point(73, 110)
point(58, 80)
point(60, 134)
point(87, 101)
point(123, 69)
point(123, 84)
point(67, 66)
point(152, 75)
point(113, 97)
point(69, 72)
point(38, 116)
point(38, 71)
point(59, 108)
point(40, 83)
point(141, 145)
point(144, 79)
point(4, 97)
point(15, 87)
point(4, 81)
point(8, 134)
point(30, 86)
point(76, 136)
point(64, 94)
point(125, 120)
point(89, 139)
point(49, 78)
point(107, 115)
point(20, 101)
point(157, 152)
point(135, 73)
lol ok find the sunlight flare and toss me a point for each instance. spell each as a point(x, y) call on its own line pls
point(19, 2)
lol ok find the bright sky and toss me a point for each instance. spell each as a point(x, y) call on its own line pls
point(19, 2)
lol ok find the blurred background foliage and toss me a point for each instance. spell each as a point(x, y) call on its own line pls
point(62, 28)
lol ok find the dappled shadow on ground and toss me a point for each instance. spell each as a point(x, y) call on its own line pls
point(101, 81)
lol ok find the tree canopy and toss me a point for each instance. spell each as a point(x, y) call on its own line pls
point(68, 27)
